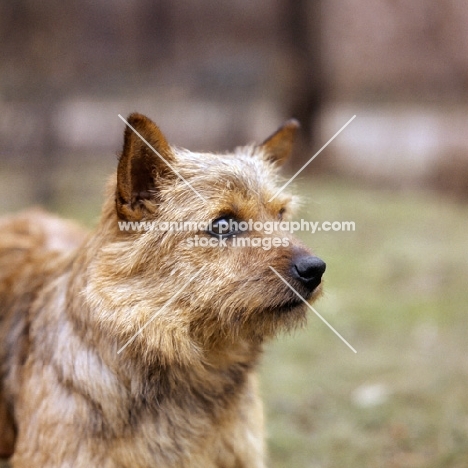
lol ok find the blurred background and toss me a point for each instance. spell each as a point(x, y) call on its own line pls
point(214, 75)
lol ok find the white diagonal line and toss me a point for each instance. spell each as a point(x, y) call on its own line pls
point(312, 158)
point(169, 302)
point(158, 154)
point(312, 309)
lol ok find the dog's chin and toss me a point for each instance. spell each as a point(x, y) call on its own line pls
point(274, 316)
point(289, 307)
point(280, 318)
point(297, 303)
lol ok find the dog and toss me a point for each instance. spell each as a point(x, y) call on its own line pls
point(139, 347)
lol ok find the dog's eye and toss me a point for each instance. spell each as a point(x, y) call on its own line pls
point(281, 213)
point(224, 226)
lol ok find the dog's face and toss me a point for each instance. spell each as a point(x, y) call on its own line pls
point(220, 276)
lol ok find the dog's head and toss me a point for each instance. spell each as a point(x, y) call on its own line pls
point(198, 243)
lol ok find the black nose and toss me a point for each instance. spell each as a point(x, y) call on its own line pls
point(308, 270)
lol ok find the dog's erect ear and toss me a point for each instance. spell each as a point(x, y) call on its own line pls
point(278, 147)
point(140, 167)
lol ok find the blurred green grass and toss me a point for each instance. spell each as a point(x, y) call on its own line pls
point(396, 289)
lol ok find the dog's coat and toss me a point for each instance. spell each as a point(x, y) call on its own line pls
point(182, 392)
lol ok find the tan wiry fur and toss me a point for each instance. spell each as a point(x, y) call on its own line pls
point(183, 393)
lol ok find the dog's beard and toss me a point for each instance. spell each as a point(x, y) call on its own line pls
point(267, 321)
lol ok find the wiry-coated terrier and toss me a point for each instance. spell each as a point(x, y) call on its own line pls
point(138, 348)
